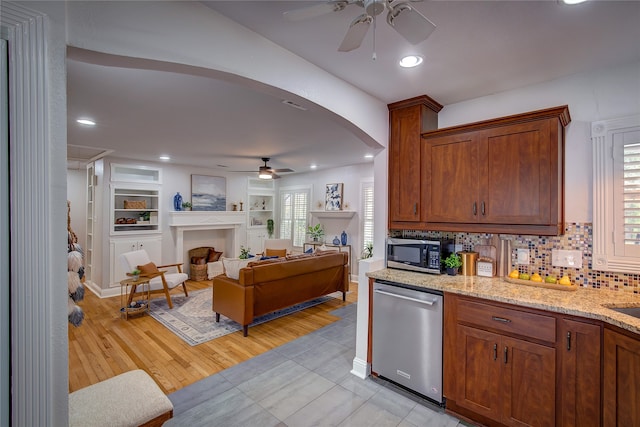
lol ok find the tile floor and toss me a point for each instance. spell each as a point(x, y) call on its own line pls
point(306, 382)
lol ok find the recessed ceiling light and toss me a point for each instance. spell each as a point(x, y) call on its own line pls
point(313, 166)
point(573, 1)
point(87, 122)
point(410, 61)
point(164, 157)
point(368, 156)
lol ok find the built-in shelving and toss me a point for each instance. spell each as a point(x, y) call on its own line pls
point(333, 214)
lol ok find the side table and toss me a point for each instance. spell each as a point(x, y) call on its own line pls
point(132, 300)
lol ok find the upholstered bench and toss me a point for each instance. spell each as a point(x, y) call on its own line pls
point(129, 399)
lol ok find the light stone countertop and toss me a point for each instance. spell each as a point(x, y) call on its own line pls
point(584, 302)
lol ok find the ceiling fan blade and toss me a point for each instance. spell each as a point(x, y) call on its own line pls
point(409, 23)
point(315, 10)
point(357, 30)
point(275, 176)
point(282, 170)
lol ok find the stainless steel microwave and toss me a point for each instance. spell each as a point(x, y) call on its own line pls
point(424, 256)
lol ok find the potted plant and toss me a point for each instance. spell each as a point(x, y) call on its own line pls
point(135, 274)
point(368, 250)
point(270, 227)
point(315, 232)
point(244, 252)
point(186, 206)
point(452, 264)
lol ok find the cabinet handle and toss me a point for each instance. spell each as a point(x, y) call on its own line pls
point(475, 208)
point(415, 208)
point(133, 247)
point(482, 208)
point(501, 319)
point(568, 341)
point(495, 351)
point(506, 352)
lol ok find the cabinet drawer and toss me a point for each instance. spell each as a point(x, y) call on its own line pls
point(508, 320)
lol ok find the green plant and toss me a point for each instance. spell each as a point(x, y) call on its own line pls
point(368, 250)
point(316, 232)
point(186, 205)
point(453, 261)
point(270, 227)
point(244, 252)
point(145, 215)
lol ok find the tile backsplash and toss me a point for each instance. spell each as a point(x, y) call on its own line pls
point(578, 236)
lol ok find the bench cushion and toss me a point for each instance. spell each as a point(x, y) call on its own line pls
point(129, 399)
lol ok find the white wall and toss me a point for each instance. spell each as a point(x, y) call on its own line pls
point(77, 195)
point(604, 94)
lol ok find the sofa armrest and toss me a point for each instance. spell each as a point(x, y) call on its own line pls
point(233, 299)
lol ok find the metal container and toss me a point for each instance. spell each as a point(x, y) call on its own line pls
point(469, 259)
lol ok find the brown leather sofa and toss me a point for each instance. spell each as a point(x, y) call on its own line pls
point(270, 285)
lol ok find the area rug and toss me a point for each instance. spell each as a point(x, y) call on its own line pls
point(192, 319)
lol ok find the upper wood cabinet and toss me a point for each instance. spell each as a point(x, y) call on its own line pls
point(502, 176)
point(407, 120)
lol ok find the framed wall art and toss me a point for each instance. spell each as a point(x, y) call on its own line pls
point(333, 197)
point(208, 193)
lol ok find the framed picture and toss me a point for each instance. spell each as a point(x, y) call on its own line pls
point(333, 197)
point(208, 193)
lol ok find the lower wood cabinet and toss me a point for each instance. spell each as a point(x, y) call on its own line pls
point(580, 353)
point(510, 366)
point(621, 391)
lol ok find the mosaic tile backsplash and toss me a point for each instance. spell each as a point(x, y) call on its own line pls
point(578, 236)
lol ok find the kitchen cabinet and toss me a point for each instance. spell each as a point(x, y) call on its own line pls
point(500, 176)
point(118, 246)
point(580, 353)
point(502, 367)
point(621, 390)
point(407, 120)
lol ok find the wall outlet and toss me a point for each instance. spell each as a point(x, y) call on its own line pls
point(523, 256)
point(566, 258)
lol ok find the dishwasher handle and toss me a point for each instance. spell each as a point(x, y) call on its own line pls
point(391, 294)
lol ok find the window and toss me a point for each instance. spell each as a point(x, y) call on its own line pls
point(616, 189)
point(367, 214)
point(294, 207)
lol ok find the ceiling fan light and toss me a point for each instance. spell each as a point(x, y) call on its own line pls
point(411, 61)
point(411, 24)
point(265, 174)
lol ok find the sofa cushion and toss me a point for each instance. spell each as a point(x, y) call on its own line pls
point(232, 266)
point(275, 252)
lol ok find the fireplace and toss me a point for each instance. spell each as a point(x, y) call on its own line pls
point(190, 221)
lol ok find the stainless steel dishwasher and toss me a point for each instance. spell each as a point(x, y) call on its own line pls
point(407, 337)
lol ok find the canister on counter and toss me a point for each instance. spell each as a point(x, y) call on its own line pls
point(469, 259)
point(486, 267)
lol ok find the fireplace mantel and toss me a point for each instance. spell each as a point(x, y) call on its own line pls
point(205, 220)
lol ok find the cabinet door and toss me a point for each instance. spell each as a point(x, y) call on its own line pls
point(581, 359)
point(621, 391)
point(478, 371)
point(519, 168)
point(255, 240)
point(404, 165)
point(528, 383)
point(452, 178)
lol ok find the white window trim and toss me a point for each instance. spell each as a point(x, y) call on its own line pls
point(363, 184)
point(602, 137)
point(294, 188)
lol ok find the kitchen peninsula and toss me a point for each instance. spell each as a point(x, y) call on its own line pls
point(517, 354)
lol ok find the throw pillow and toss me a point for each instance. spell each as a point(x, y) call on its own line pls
point(232, 266)
point(268, 257)
point(149, 268)
point(198, 260)
point(213, 255)
point(309, 251)
point(275, 252)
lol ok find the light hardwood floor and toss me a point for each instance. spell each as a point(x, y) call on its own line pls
point(106, 345)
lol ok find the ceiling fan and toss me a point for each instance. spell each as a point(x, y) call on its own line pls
point(265, 172)
point(401, 16)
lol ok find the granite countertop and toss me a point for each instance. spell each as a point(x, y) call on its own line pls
point(584, 302)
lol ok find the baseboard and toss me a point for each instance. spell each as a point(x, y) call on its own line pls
point(102, 293)
point(361, 368)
